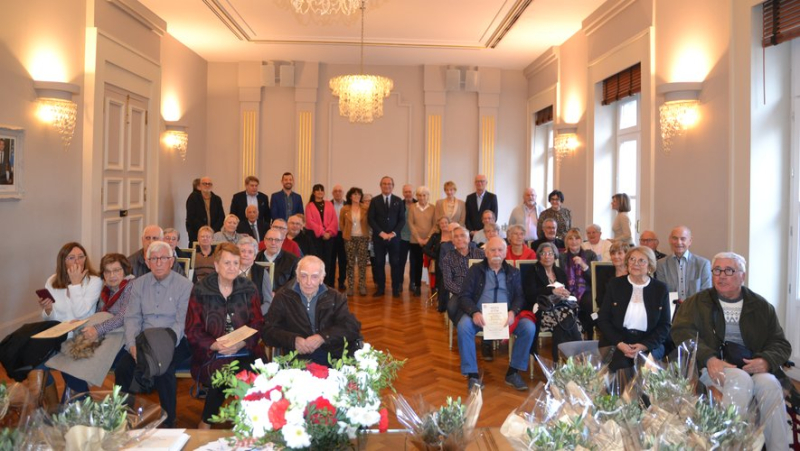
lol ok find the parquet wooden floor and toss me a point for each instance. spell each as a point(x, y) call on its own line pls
point(410, 328)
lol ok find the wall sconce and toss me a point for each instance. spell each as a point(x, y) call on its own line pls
point(566, 141)
point(177, 139)
point(57, 108)
point(680, 110)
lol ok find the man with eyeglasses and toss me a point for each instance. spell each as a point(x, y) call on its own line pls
point(733, 315)
point(684, 272)
point(203, 207)
point(648, 238)
point(310, 318)
point(150, 234)
point(288, 245)
point(298, 234)
point(158, 299)
point(284, 263)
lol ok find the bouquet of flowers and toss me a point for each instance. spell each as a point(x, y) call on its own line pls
point(295, 404)
point(586, 406)
point(447, 428)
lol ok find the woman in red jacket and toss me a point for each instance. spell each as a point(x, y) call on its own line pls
point(323, 223)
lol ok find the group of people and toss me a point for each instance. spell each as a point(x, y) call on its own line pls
point(145, 324)
point(298, 307)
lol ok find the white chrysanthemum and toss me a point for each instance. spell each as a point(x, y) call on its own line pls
point(295, 416)
point(258, 366)
point(275, 395)
point(257, 416)
point(296, 436)
point(368, 364)
point(271, 369)
point(361, 416)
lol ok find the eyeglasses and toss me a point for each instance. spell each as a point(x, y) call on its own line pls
point(279, 227)
point(154, 260)
point(547, 254)
point(273, 240)
point(728, 271)
point(72, 258)
point(638, 261)
point(207, 184)
point(647, 240)
point(113, 271)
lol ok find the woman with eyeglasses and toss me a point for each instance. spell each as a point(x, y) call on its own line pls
point(576, 263)
point(635, 315)
point(75, 287)
point(562, 216)
point(539, 281)
point(220, 304)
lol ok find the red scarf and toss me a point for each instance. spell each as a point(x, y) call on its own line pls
point(108, 300)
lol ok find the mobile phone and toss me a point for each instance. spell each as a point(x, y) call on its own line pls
point(44, 293)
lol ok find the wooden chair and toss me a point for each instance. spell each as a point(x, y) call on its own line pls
point(270, 268)
point(192, 251)
point(184, 263)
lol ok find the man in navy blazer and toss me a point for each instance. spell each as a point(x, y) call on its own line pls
point(387, 216)
point(252, 224)
point(285, 203)
point(683, 272)
point(250, 196)
point(478, 202)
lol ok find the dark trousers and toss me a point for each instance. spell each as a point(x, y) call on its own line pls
point(391, 247)
point(324, 250)
point(166, 384)
point(339, 255)
point(404, 246)
point(415, 264)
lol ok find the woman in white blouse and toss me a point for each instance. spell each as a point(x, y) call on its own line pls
point(635, 314)
point(451, 208)
point(75, 287)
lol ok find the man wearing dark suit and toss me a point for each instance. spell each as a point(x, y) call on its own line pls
point(285, 203)
point(250, 196)
point(196, 213)
point(478, 202)
point(387, 217)
point(253, 225)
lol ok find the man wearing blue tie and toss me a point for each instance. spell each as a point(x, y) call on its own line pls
point(386, 219)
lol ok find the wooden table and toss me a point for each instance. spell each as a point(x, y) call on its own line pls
point(485, 439)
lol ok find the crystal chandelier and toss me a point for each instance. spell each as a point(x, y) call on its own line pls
point(679, 111)
point(565, 142)
point(361, 96)
point(324, 7)
point(177, 139)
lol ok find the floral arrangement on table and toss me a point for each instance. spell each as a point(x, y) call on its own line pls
point(654, 407)
point(295, 404)
point(448, 427)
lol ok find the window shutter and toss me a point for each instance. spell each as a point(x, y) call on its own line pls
point(781, 21)
point(623, 84)
point(544, 116)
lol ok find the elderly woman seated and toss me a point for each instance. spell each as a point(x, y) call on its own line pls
point(635, 316)
point(248, 247)
point(228, 233)
point(220, 304)
point(517, 249)
point(576, 263)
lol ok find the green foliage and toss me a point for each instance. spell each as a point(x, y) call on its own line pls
point(582, 373)
point(722, 425)
point(110, 413)
point(447, 421)
point(562, 435)
point(667, 384)
point(613, 408)
point(10, 439)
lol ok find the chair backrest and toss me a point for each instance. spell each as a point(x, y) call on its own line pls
point(525, 267)
point(193, 252)
point(184, 263)
point(473, 261)
point(269, 267)
point(573, 348)
point(602, 272)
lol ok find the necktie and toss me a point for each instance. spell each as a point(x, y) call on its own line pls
point(255, 231)
point(387, 203)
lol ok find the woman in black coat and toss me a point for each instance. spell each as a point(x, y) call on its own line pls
point(535, 283)
point(635, 315)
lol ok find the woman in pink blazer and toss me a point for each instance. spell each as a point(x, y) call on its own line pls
point(323, 225)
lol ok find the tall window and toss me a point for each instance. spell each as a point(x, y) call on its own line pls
point(626, 157)
point(550, 159)
point(542, 156)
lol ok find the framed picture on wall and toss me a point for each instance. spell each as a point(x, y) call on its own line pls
point(12, 145)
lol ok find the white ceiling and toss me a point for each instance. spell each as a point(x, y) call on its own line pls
point(397, 32)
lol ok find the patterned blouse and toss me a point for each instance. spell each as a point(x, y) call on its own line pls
point(563, 218)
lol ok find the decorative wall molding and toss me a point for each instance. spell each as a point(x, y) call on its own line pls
point(603, 14)
point(142, 15)
point(545, 59)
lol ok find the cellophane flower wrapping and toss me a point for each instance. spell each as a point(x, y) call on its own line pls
point(448, 427)
point(296, 404)
point(654, 406)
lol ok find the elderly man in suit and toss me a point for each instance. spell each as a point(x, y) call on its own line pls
point(285, 203)
point(683, 272)
point(387, 216)
point(203, 207)
point(253, 225)
point(250, 196)
point(478, 202)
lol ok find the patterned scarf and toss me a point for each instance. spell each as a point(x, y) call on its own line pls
point(108, 299)
point(575, 281)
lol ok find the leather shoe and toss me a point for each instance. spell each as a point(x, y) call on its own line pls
point(412, 287)
point(474, 382)
point(396, 293)
point(378, 294)
point(417, 291)
point(515, 380)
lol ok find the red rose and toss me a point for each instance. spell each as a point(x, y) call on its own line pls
point(383, 425)
point(248, 377)
point(324, 412)
point(316, 370)
point(277, 413)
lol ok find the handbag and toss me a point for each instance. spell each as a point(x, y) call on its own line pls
point(730, 351)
